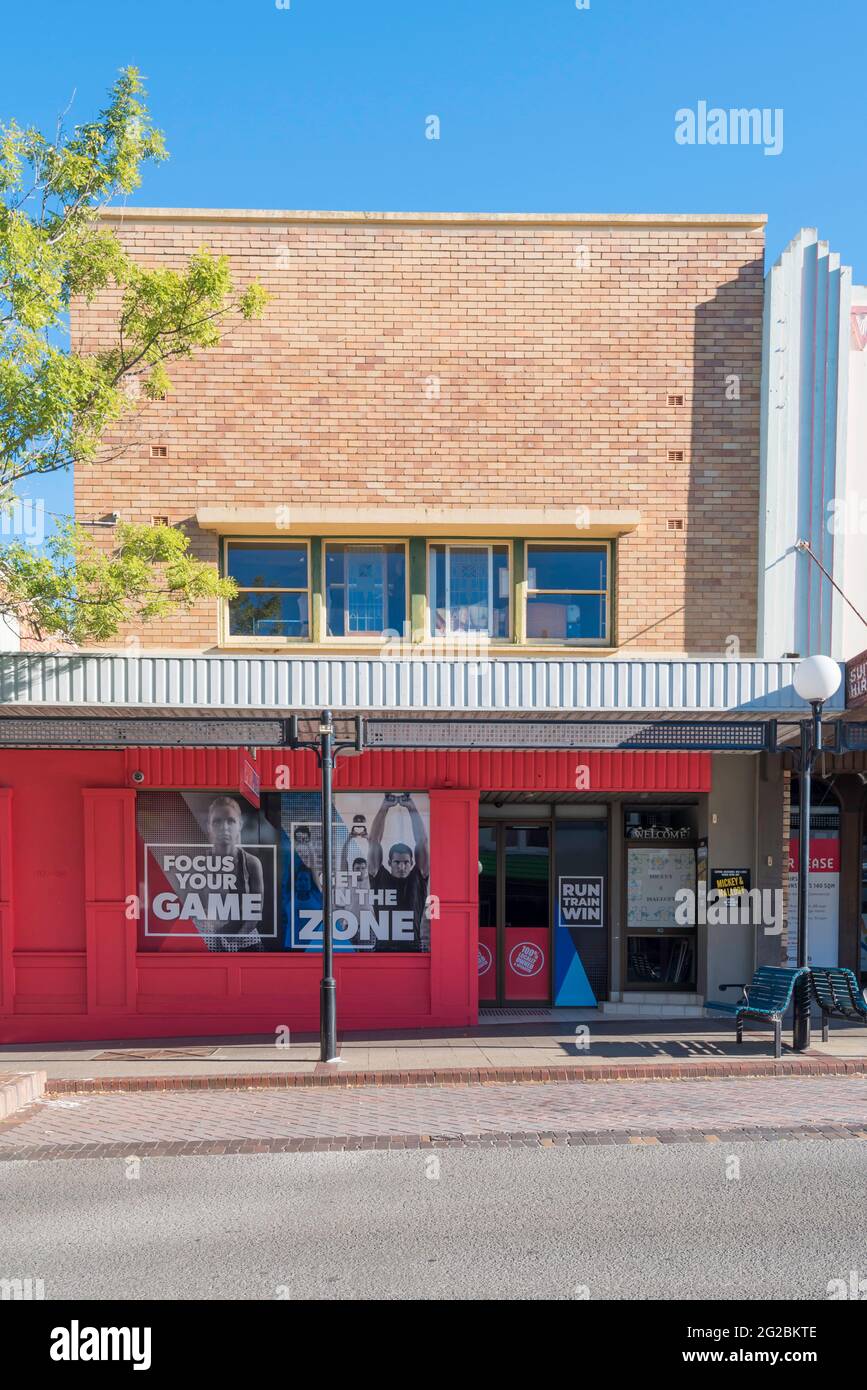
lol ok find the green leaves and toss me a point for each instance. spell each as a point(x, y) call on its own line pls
point(83, 594)
point(57, 403)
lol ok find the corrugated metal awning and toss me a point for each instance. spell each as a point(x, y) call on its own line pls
point(178, 684)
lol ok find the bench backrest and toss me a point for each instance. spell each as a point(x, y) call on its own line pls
point(835, 987)
point(771, 988)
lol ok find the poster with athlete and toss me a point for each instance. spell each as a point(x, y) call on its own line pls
point(208, 871)
point(381, 874)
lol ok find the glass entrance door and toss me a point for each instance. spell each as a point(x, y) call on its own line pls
point(514, 913)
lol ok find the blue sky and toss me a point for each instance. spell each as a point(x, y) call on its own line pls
point(542, 106)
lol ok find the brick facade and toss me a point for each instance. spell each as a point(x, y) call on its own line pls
point(470, 363)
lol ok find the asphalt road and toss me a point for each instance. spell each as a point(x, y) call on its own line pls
point(655, 1222)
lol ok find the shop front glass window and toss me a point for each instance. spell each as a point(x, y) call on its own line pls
point(661, 866)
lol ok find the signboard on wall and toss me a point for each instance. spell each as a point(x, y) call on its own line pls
point(248, 779)
point(856, 682)
point(823, 902)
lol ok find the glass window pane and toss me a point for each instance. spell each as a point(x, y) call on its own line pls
point(500, 603)
point(396, 588)
point(566, 567)
point(469, 595)
point(335, 597)
point(268, 615)
point(661, 823)
point(365, 589)
point(469, 589)
point(566, 617)
point(256, 566)
point(660, 960)
point(526, 874)
point(438, 590)
point(487, 876)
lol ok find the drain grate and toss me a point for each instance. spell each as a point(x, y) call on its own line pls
point(518, 1013)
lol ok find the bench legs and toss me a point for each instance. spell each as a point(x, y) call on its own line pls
point(778, 1034)
point(825, 1018)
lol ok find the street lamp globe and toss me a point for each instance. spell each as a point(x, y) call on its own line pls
point(817, 678)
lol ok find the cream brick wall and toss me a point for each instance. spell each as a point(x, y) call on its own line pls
point(554, 348)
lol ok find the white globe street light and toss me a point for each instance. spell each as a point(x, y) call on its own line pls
point(816, 679)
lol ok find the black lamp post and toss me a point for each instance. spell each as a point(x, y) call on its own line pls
point(326, 748)
point(816, 680)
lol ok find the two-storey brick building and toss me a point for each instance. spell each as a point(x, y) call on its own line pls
point(498, 468)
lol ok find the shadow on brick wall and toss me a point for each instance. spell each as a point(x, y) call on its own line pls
point(720, 536)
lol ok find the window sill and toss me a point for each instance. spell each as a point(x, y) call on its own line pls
point(392, 650)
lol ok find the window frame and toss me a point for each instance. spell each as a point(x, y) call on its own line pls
point(364, 639)
point(469, 543)
point(546, 543)
point(229, 639)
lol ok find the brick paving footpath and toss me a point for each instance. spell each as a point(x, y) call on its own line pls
point(244, 1121)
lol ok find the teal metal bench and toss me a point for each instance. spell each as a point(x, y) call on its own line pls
point(766, 998)
point(837, 993)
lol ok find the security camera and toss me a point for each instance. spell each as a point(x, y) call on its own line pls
point(138, 777)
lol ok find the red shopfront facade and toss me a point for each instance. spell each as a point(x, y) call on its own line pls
point(72, 963)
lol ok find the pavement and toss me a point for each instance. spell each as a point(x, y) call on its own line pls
point(581, 1045)
point(178, 1122)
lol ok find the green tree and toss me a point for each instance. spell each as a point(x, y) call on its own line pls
point(55, 403)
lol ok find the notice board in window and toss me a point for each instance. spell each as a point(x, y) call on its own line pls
point(653, 879)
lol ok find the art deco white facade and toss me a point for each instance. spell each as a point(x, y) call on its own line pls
point(814, 456)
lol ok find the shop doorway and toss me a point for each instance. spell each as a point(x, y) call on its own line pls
point(514, 913)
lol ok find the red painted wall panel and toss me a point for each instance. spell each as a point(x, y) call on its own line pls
point(6, 912)
point(110, 887)
point(454, 817)
point(474, 769)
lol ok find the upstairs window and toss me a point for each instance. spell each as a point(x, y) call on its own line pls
point(273, 582)
point(567, 593)
point(469, 590)
point(365, 589)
